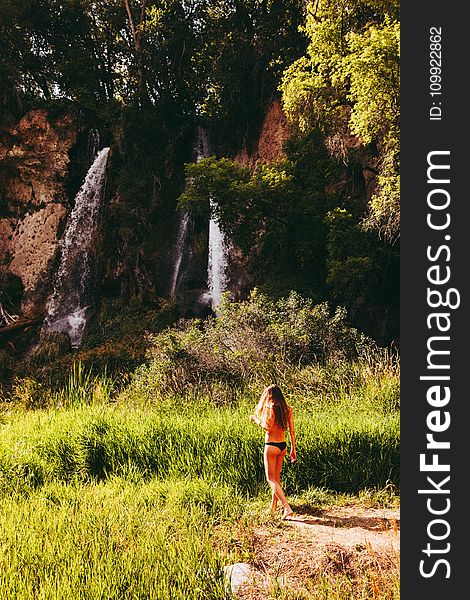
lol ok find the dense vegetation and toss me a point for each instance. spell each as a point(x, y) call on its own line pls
point(147, 72)
point(149, 489)
point(348, 83)
point(129, 467)
point(185, 410)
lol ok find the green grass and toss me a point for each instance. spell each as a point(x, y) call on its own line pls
point(342, 450)
point(116, 541)
point(116, 502)
point(145, 493)
point(112, 502)
point(138, 540)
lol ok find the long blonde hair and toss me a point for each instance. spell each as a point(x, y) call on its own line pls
point(273, 399)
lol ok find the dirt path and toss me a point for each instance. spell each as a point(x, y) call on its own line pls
point(352, 528)
point(340, 540)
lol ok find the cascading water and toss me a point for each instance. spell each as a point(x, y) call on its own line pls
point(217, 263)
point(179, 252)
point(73, 291)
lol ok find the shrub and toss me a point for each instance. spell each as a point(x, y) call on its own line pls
point(250, 341)
point(118, 319)
point(27, 393)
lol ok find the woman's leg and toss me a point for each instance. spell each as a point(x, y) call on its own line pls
point(287, 509)
point(271, 456)
point(279, 460)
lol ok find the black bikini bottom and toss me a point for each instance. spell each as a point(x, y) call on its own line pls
point(281, 445)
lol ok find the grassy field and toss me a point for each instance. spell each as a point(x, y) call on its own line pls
point(110, 500)
point(343, 451)
point(123, 539)
point(112, 540)
point(148, 490)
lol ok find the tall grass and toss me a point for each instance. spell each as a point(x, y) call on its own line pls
point(345, 451)
point(81, 386)
point(116, 541)
point(151, 540)
point(117, 494)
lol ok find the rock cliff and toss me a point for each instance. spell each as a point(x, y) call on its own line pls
point(34, 168)
point(270, 145)
point(269, 148)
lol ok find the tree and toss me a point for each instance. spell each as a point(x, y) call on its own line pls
point(137, 37)
point(275, 214)
point(246, 45)
point(348, 84)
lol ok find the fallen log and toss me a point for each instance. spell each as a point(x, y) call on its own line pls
point(19, 325)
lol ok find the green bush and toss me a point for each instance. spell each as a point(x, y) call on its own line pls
point(29, 394)
point(249, 342)
point(118, 319)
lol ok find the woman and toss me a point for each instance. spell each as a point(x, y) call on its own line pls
point(274, 415)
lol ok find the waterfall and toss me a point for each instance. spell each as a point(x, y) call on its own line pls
point(217, 263)
point(201, 150)
point(73, 291)
point(179, 252)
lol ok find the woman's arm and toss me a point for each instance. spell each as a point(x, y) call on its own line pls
point(293, 453)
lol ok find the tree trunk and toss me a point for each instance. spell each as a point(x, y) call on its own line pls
point(139, 58)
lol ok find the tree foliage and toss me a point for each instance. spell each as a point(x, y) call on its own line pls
point(149, 71)
point(255, 339)
point(348, 84)
point(274, 214)
point(298, 234)
point(215, 57)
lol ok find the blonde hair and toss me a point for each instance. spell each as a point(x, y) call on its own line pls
point(272, 399)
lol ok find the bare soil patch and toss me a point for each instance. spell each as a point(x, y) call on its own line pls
point(359, 543)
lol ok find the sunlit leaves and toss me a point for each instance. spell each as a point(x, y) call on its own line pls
point(348, 84)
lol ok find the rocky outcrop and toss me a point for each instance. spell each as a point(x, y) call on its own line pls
point(269, 148)
point(34, 243)
point(34, 166)
point(273, 135)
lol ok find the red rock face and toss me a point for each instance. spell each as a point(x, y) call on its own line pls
point(34, 243)
point(269, 149)
point(274, 133)
point(34, 162)
point(34, 155)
